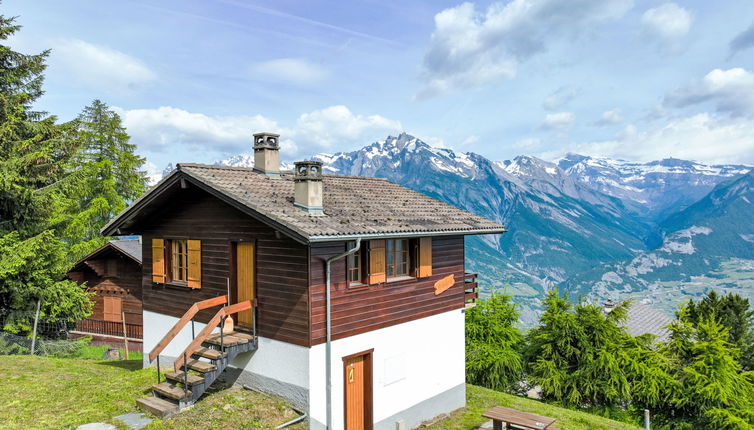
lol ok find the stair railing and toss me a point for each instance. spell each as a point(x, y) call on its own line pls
point(173, 332)
point(212, 325)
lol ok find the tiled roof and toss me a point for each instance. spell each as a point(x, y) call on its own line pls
point(131, 247)
point(645, 319)
point(353, 206)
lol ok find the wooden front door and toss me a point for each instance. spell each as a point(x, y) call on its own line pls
point(357, 391)
point(244, 280)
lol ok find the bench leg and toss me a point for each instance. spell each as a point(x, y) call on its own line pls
point(498, 425)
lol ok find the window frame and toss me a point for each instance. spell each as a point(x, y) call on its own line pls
point(392, 260)
point(170, 262)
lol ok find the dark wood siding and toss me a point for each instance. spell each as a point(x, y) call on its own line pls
point(357, 311)
point(125, 283)
point(281, 264)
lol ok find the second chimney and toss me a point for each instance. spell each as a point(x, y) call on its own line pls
point(307, 178)
point(267, 154)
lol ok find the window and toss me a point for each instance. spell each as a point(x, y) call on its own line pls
point(111, 268)
point(354, 268)
point(179, 260)
point(396, 253)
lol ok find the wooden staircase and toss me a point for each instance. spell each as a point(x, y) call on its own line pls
point(203, 360)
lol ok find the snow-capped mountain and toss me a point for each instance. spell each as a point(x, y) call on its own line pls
point(657, 188)
point(567, 220)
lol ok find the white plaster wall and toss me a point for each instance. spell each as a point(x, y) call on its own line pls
point(412, 362)
point(156, 326)
point(284, 362)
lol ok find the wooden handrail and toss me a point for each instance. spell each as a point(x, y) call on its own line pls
point(188, 316)
point(207, 330)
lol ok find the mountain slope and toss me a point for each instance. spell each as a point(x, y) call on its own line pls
point(710, 244)
point(557, 226)
point(653, 190)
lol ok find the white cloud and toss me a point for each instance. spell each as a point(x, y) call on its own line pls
point(701, 137)
point(610, 117)
point(100, 67)
point(292, 70)
point(731, 91)
point(559, 98)
point(470, 48)
point(177, 131)
point(337, 128)
point(558, 121)
point(470, 140)
point(668, 23)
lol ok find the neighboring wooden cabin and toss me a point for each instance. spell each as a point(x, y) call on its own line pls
point(113, 273)
point(397, 350)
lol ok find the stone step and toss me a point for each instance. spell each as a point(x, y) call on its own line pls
point(178, 377)
point(171, 390)
point(205, 352)
point(158, 407)
point(201, 366)
point(227, 340)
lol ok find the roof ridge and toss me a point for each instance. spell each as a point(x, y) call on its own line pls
point(287, 172)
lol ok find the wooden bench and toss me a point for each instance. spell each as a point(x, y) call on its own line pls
point(507, 418)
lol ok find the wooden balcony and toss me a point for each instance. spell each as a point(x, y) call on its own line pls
point(109, 328)
point(471, 288)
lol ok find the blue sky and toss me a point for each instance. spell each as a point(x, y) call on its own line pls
point(193, 80)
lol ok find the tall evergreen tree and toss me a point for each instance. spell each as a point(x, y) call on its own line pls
point(493, 344)
point(712, 390)
point(34, 151)
point(110, 176)
point(581, 356)
point(735, 314)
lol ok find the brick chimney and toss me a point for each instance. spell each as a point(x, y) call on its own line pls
point(307, 177)
point(267, 154)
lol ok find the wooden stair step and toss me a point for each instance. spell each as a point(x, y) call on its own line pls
point(178, 377)
point(242, 335)
point(201, 366)
point(170, 390)
point(227, 340)
point(205, 352)
point(158, 407)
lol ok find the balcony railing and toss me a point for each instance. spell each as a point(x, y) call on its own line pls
point(471, 289)
point(109, 328)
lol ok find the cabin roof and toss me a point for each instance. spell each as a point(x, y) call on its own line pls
point(353, 206)
point(130, 248)
point(644, 319)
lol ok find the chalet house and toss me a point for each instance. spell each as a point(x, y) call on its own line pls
point(113, 273)
point(342, 294)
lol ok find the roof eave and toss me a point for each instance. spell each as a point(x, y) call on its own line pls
point(395, 235)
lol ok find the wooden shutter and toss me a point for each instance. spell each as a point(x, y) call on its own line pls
point(194, 263)
point(377, 261)
point(424, 266)
point(158, 260)
point(113, 308)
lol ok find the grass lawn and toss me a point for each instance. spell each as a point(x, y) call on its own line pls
point(479, 400)
point(57, 393)
point(52, 393)
point(62, 393)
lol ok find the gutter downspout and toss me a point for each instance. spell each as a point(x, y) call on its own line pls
point(328, 352)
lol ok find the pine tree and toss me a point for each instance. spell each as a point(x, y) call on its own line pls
point(110, 177)
point(733, 312)
point(712, 391)
point(34, 151)
point(493, 343)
